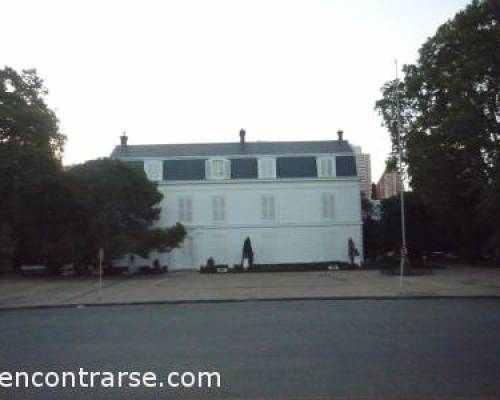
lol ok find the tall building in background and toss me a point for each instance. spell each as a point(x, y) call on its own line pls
point(363, 165)
point(389, 184)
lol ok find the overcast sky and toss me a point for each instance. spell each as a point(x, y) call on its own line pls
point(198, 71)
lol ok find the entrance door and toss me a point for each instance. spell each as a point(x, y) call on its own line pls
point(185, 255)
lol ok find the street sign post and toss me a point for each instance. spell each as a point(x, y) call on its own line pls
point(100, 258)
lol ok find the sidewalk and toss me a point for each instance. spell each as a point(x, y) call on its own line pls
point(192, 286)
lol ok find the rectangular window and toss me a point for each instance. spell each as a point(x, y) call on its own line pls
point(327, 206)
point(267, 168)
point(154, 170)
point(244, 168)
point(218, 169)
point(326, 167)
point(346, 166)
point(185, 209)
point(268, 207)
point(218, 208)
point(178, 170)
point(297, 167)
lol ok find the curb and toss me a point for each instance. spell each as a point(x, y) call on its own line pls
point(251, 300)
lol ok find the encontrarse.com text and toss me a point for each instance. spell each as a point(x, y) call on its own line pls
point(91, 379)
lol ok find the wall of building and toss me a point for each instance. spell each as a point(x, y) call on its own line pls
point(389, 185)
point(363, 166)
point(301, 230)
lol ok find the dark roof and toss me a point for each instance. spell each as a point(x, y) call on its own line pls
point(231, 149)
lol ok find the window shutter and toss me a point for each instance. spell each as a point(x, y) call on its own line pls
point(208, 169)
point(326, 167)
point(267, 168)
point(271, 213)
point(331, 206)
point(189, 209)
point(268, 207)
point(222, 208)
point(218, 208)
point(327, 205)
point(321, 167)
point(227, 169)
point(324, 205)
point(332, 167)
point(180, 209)
point(214, 208)
point(329, 167)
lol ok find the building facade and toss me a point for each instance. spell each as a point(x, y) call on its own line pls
point(389, 185)
point(364, 168)
point(297, 201)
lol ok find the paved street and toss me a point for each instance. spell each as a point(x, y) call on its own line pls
point(193, 286)
point(338, 349)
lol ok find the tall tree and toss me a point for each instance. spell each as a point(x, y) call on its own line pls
point(25, 118)
point(30, 168)
point(422, 232)
point(113, 207)
point(450, 113)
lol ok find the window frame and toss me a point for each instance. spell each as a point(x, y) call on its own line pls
point(218, 208)
point(327, 172)
point(185, 209)
point(153, 170)
point(261, 162)
point(327, 204)
point(268, 207)
point(210, 168)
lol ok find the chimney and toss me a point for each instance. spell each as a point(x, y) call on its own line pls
point(123, 139)
point(242, 136)
point(340, 134)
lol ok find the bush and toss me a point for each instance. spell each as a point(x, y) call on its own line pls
point(237, 268)
point(209, 268)
point(7, 248)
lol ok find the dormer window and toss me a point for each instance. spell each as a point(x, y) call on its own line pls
point(218, 168)
point(267, 168)
point(326, 167)
point(154, 170)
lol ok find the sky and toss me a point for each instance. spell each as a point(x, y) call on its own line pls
point(183, 71)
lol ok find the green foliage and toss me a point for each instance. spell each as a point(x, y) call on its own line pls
point(450, 113)
point(162, 240)
point(30, 168)
point(421, 232)
point(51, 216)
point(25, 118)
point(391, 164)
point(7, 248)
point(374, 191)
point(114, 206)
point(366, 206)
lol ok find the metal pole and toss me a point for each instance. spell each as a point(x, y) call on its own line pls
point(404, 250)
point(100, 257)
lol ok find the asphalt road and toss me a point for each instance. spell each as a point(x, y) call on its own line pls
point(419, 349)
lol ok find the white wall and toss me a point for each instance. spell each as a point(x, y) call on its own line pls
point(299, 233)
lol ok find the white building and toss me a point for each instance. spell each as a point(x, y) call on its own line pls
point(296, 201)
point(363, 165)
